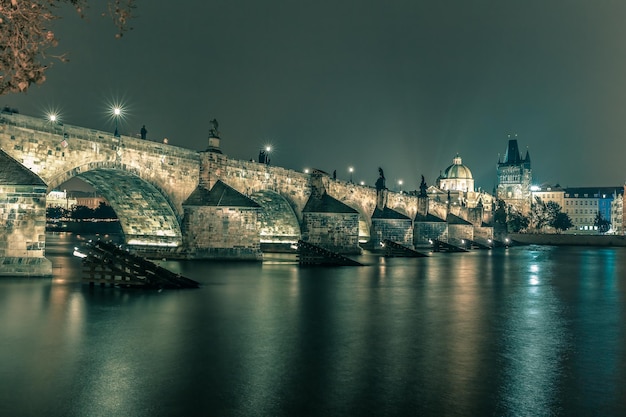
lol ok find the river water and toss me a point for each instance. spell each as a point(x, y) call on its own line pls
point(524, 331)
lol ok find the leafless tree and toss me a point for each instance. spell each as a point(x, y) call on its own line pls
point(26, 37)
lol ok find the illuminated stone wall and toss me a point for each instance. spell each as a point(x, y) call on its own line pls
point(397, 230)
point(22, 231)
point(337, 232)
point(221, 233)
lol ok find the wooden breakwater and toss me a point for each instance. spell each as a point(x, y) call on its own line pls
point(394, 249)
point(107, 264)
point(441, 246)
point(309, 254)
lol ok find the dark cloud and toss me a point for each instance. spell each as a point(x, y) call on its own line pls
point(400, 84)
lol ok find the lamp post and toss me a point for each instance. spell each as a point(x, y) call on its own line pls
point(400, 185)
point(351, 170)
point(55, 121)
point(117, 112)
point(268, 149)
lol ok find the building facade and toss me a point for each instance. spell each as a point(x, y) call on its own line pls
point(582, 204)
point(547, 193)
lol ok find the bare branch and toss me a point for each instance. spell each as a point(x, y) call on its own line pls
point(25, 38)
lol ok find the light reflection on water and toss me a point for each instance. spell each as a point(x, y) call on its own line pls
point(524, 331)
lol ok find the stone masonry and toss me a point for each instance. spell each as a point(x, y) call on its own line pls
point(22, 221)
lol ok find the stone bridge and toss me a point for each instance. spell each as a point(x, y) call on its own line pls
point(148, 183)
point(284, 193)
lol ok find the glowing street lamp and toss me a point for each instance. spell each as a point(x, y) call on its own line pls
point(350, 170)
point(268, 149)
point(400, 185)
point(117, 113)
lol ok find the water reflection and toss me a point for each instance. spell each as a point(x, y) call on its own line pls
point(526, 331)
point(535, 342)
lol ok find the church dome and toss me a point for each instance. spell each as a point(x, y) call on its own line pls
point(457, 177)
point(457, 170)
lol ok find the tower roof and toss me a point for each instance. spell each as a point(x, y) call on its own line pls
point(512, 155)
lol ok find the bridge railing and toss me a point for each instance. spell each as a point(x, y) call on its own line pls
point(92, 135)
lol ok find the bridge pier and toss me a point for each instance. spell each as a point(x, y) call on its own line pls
point(388, 224)
point(221, 223)
point(22, 221)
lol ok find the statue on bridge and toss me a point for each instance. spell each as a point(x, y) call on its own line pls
point(423, 188)
point(380, 182)
point(213, 132)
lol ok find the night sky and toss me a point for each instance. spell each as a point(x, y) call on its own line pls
point(405, 85)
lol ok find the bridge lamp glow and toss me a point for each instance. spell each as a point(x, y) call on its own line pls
point(306, 170)
point(362, 183)
point(117, 112)
point(350, 170)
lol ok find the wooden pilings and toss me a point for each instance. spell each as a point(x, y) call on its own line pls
point(394, 249)
point(309, 254)
point(106, 264)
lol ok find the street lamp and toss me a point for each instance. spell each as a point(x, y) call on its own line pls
point(268, 149)
point(117, 112)
point(400, 185)
point(350, 170)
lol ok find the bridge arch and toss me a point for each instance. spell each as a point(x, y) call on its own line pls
point(278, 222)
point(147, 216)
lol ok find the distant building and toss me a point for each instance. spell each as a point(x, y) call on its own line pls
point(87, 199)
point(68, 199)
point(549, 193)
point(582, 204)
point(457, 177)
point(515, 178)
point(60, 199)
point(457, 183)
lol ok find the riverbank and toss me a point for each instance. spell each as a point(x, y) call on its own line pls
point(568, 239)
